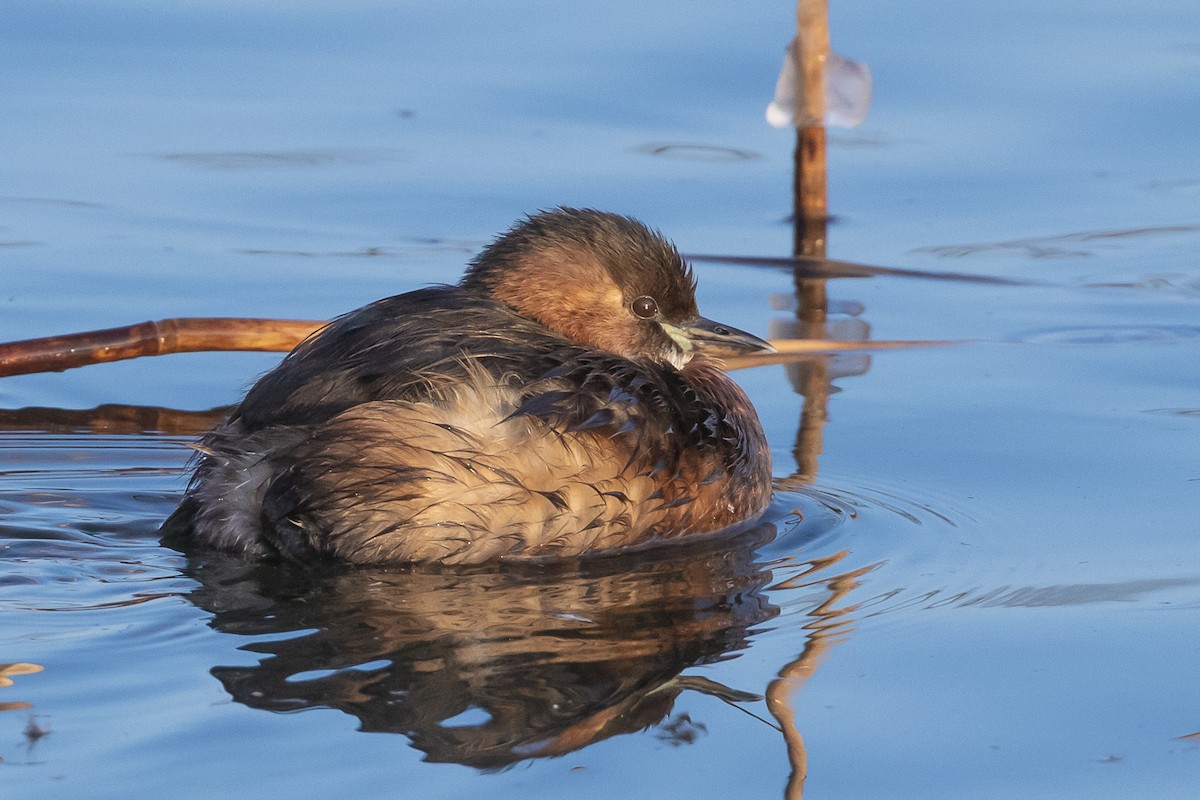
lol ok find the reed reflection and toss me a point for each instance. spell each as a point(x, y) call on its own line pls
point(111, 418)
point(812, 378)
point(488, 668)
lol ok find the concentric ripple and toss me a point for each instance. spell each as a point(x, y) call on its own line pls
point(79, 516)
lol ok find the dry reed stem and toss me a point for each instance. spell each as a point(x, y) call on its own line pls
point(202, 334)
point(177, 335)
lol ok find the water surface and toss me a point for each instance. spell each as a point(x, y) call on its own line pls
point(980, 574)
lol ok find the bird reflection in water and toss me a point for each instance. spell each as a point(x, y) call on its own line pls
point(489, 667)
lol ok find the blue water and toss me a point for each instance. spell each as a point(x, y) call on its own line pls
point(990, 588)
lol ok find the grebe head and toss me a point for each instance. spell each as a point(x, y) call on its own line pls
point(605, 281)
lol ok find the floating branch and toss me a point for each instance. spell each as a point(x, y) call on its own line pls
point(178, 335)
point(203, 334)
point(791, 350)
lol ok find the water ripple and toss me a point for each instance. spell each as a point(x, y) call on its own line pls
point(1068, 245)
point(699, 152)
point(1174, 283)
point(1175, 412)
point(283, 159)
point(1112, 334)
point(1027, 596)
point(822, 507)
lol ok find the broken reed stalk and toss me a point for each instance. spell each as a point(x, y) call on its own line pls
point(812, 52)
point(206, 334)
point(810, 182)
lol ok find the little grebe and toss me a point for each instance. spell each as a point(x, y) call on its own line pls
point(563, 399)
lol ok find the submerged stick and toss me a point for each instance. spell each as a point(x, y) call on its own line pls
point(206, 334)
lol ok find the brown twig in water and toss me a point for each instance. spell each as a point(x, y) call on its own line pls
point(798, 349)
point(201, 334)
point(177, 335)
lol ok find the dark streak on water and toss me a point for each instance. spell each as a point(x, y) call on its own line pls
point(293, 159)
point(1052, 246)
point(698, 152)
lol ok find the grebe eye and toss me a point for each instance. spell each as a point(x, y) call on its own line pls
point(645, 307)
